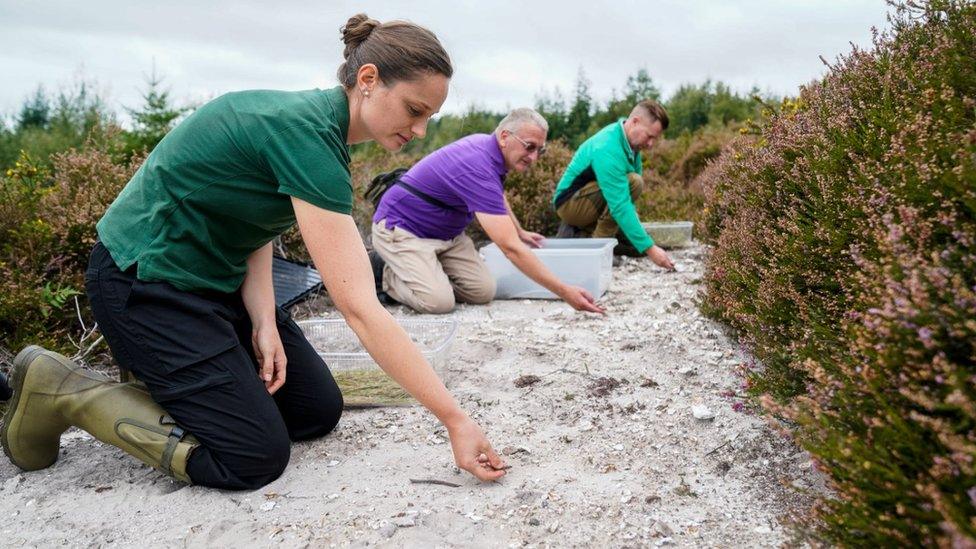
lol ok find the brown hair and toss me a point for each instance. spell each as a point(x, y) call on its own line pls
point(400, 50)
point(654, 110)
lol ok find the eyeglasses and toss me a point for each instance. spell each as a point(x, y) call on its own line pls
point(530, 147)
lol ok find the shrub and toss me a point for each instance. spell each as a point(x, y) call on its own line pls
point(673, 191)
point(846, 258)
point(47, 218)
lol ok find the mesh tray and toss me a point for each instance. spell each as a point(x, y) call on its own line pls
point(674, 234)
point(339, 347)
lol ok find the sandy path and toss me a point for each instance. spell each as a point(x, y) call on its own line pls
point(628, 465)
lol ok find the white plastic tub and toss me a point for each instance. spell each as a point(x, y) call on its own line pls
point(672, 234)
point(341, 350)
point(586, 262)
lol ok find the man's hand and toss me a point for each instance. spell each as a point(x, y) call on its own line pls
point(473, 452)
point(659, 257)
point(271, 356)
point(531, 239)
point(581, 300)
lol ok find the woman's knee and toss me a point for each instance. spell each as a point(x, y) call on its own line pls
point(265, 459)
point(328, 414)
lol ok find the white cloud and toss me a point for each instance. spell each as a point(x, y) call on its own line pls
point(504, 52)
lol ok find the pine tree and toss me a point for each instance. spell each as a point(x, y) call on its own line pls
point(35, 112)
point(155, 118)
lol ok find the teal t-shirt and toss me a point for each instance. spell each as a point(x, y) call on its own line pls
point(607, 158)
point(219, 186)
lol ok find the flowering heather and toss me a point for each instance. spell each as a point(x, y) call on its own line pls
point(845, 257)
point(47, 219)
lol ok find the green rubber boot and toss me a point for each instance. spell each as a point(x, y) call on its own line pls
point(52, 393)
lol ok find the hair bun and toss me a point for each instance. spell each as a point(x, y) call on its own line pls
point(356, 30)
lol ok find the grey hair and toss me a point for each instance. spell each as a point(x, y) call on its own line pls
point(519, 118)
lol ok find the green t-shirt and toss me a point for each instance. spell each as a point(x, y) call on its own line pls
point(607, 158)
point(218, 186)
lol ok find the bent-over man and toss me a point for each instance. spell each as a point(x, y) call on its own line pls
point(422, 257)
point(596, 195)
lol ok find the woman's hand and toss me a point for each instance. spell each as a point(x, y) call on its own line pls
point(271, 356)
point(473, 452)
point(257, 292)
point(336, 247)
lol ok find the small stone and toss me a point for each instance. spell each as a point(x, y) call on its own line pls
point(762, 530)
point(404, 522)
point(702, 412)
point(664, 541)
point(553, 527)
point(526, 496)
point(267, 506)
point(533, 521)
point(526, 380)
point(662, 529)
point(387, 530)
point(688, 371)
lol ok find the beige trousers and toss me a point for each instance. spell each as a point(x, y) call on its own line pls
point(588, 209)
point(429, 275)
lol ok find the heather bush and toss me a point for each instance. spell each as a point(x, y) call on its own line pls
point(47, 218)
point(845, 258)
point(673, 191)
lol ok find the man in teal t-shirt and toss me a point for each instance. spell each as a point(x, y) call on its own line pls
point(597, 192)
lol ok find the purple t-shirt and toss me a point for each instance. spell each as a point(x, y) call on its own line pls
point(466, 174)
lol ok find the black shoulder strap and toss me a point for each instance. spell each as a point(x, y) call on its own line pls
point(426, 197)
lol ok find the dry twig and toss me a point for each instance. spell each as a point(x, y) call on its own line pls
point(434, 481)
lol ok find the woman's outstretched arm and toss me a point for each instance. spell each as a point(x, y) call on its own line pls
point(340, 257)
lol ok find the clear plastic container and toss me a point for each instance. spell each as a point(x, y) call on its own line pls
point(672, 234)
point(585, 262)
point(339, 347)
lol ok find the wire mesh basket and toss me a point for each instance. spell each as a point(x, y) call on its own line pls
point(339, 347)
point(672, 234)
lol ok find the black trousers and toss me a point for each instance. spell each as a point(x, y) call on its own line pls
point(193, 351)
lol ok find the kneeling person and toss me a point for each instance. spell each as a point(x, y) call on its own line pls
point(596, 194)
point(418, 228)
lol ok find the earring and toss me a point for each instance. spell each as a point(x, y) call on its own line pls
point(365, 92)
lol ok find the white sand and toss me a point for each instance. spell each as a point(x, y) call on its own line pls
point(633, 467)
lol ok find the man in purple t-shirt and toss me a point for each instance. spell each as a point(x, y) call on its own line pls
point(418, 228)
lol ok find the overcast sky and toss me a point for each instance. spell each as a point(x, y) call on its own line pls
point(505, 53)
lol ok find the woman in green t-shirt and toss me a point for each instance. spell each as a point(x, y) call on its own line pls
point(180, 281)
